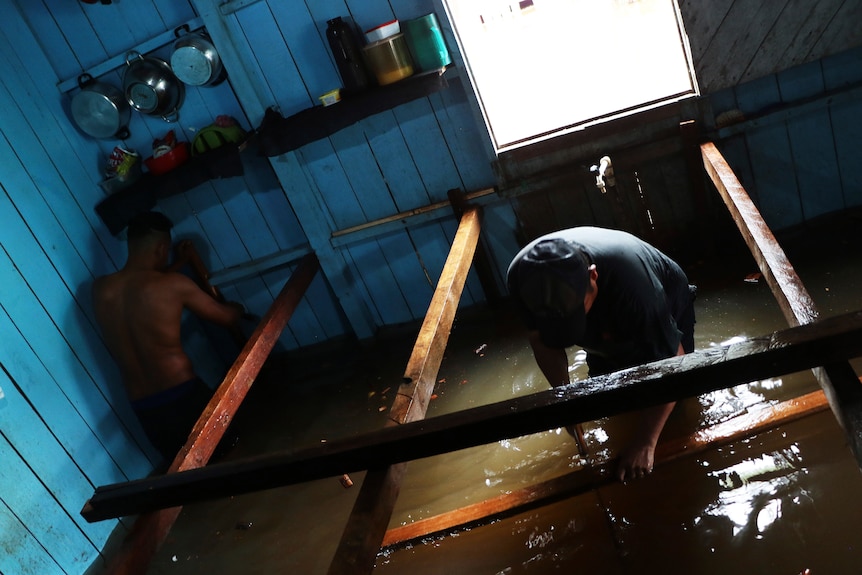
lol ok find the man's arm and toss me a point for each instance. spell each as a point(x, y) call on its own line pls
point(638, 458)
point(552, 361)
point(204, 305)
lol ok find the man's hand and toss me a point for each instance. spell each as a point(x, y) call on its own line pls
point(636, 461)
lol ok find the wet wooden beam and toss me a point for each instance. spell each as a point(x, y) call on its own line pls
point(589, 478)
point(360, 542)
point(150, 529)
point(795, 349)
point(838, 381)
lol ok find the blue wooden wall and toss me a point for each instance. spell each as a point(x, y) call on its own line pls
point(65, 426)
point(797, 152)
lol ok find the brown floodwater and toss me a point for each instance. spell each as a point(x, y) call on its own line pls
point(779, 502)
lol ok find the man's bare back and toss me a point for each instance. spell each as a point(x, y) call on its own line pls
point(139, 310)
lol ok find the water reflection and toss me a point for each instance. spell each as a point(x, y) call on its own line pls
point(755, 490)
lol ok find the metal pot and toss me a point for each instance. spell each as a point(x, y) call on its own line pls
point(100, 110)
point(152, 88)
point(195, 60)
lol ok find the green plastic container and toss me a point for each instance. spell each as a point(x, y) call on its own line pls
point(425, 40)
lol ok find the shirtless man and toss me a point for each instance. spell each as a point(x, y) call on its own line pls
point(139, 310)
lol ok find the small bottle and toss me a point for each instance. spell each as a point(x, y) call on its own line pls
point(348, 56)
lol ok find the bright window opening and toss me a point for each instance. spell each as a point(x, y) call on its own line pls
point(542, 67)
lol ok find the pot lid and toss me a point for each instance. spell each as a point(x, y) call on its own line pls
point(191, 66)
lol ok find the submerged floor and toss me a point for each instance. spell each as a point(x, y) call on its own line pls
point(779, 502)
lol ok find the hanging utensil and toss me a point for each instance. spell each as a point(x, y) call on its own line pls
point(195, 60)
point(100, 110)
point(151, 87)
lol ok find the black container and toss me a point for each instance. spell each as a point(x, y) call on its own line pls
point(348, 56)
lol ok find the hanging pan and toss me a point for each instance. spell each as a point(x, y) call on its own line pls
point(152, 88)
point(100, 110)
point(195, 60)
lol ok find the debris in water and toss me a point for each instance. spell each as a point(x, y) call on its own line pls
point(480, 351)
point(346, 481)
point(244, 526)
point(371, 394)
point(381, 408)
point(385, 390)
point(433, 396)
point(441, 380)
point(753, 278)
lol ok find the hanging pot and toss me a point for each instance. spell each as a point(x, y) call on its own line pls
point(152, 88)
point(195, 60)
point(100, 110)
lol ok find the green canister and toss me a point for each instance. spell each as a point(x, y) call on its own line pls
point(425, 40)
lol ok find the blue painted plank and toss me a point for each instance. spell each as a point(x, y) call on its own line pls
point(846, 120)
point(386, 297)
point(47, 398)
point(207, 207)
point(332, 181)
point(428, 149)
point(466, 136)
point(363, 173)
point(114, 32)
point(61, 361)
point(304, 326)
point(55, 45)
point(29, 557)
point(61, 476)
point(310, 51)
point(77, 33)
point(340, 271)
point(269, 196)
point(771, 160)
point(174, 12)
point(416, 277)
point(272, 54)
point(812, 144)
point(42, 516)
point(368, 14)
point(45, 138)
point(774, 176)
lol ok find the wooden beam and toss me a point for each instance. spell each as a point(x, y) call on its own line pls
point(150, 529)
point(360, 542)
point(794, 349)
point(839, 382)
point(589, 478)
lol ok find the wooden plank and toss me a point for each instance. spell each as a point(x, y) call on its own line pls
point(29, 557)
point(838, 381)
point(151, 529)
point(787, 351)
point(372, 511)
point(39, 512)
point(582, 480)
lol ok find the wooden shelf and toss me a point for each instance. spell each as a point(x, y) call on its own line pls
point(117, 209)
point(278, 135)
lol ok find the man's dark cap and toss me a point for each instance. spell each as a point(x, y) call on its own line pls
point(553, 277)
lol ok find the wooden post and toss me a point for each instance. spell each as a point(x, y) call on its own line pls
point(838, 381)
point(481, 260)
point(366, 526)
point(150, 529)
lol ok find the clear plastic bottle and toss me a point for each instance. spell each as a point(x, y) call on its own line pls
point(348, 56)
